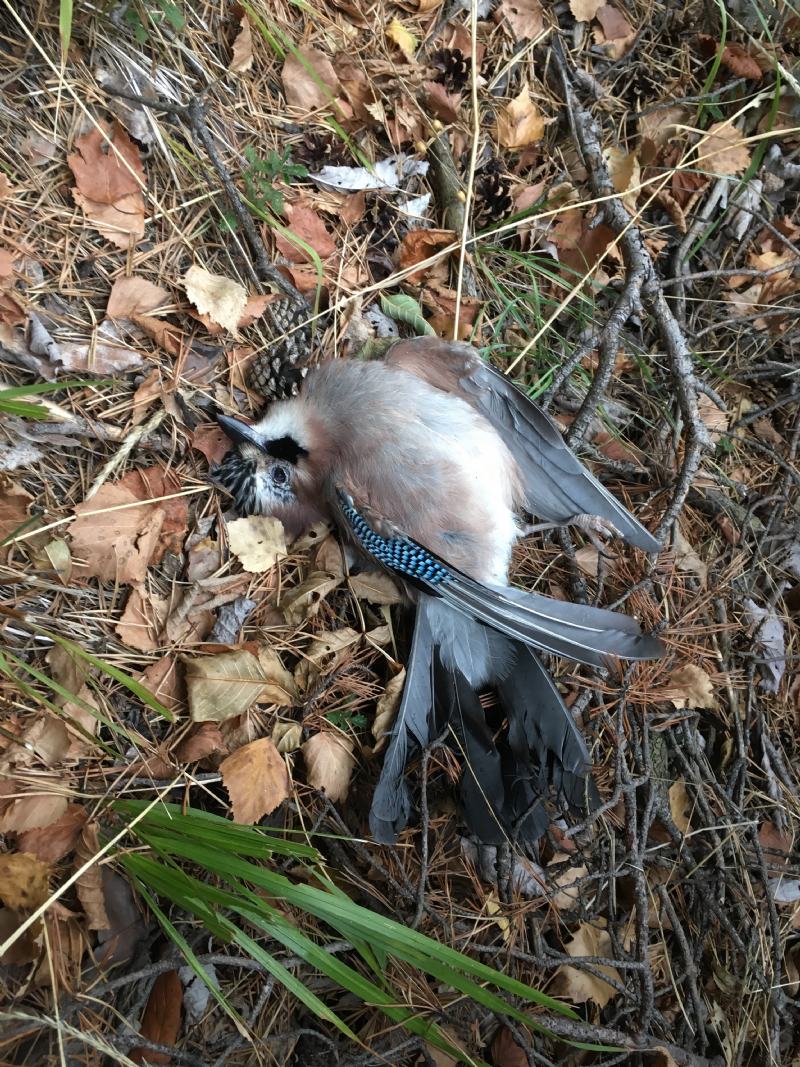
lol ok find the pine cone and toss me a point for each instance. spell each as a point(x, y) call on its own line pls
point(278, 371)
point(492, 198)
point(318, 149)
point(453, 67)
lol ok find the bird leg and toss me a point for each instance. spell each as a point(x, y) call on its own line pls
point(597, 529)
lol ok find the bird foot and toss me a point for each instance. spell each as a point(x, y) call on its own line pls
point(597, 529)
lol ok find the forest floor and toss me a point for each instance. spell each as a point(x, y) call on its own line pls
point(604, 199)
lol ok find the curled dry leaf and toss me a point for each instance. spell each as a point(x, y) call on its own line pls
point(525, 17)
point(305, 600)
point(257, 780)
point(141, 622)
point(690, 687)
point(581, 987)
point(90, 884)
point(23, 881)
point(306, 224)
point(204, 741)
point(521, 123)
point(419, 245)
point(616, 33)
point(329, 764)
point(734, 58)
point(221, 298)
point(257, 541)
point(441, 104)
point(403, 38)
point(386, 710)
point(287, 736)
point(242, 59)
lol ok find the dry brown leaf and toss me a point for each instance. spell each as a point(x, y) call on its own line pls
point(521, 123)
point(89, 886)
point(257, 780)
point(567, 883)
point(690, 687)
point(287, 736)
point(52, 843)
point(687, 559)
point(376, 587)
point(441, 104)
point(32, 811)
point(161, 1020)
point(525, 17)
point(579, 986)
point(306, 224)
point(204, 741)
point(309, 80)
point(221, 298)
point(130, 532)
point(585, 10)
point(304, 600)
point(23, 881)
point(14, 504)
point(329, 764)
point(505, 1050)
point(39, 150)
point(131, 296)
point(680, 806)
point(164, 679)
point(211, 441)
point(257, 541)
point(279, 687)
point(142, 620)
point(242, 59)
point(625, 173)
point(386, 709)
point(617, 34)
point(402, 37)
point(107, 165)
point(229, 683)
point(735, 58)
point(121, 223)
point(662, 125)
point(722, 150)
point(47, 739)
point(418, 245)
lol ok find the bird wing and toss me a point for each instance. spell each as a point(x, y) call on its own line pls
point(578, 631)
point(557, 485)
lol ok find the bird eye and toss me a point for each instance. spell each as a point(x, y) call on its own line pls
point(280, 474)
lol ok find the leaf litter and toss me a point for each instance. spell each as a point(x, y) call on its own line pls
point(282, 668)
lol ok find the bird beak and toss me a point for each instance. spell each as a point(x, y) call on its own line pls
point(239, 432)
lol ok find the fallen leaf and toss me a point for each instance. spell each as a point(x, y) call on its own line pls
point(525, 17)
point(307, 225)
point(39, 150)
point(105, 353)
point(14, 504)
point(715, 420)
point(257, 541)
point(386, 709)
point(662, 125)
point(242, 59)
point(221, 298)
point(329, 764)
point(131, 296)
point(585, 10)
point(687, 559)
point(419, 245)
point(309, 80)
point(141, 622)
point(211, 441)
point(734, 58)
point(770, 642)
point(624, 171)
point(287, 736)
point(441, 104)
point(121, 223)
point(25, 948)
point(107, 165)
point(579, 986)
point(690, 687)
point(304, 600)
point(120, 531)
point(23, 881)
point(32, 811)
point(680, 806)
point(229, 683)
point(164, 680)
point(521, 123)
point(505, 1050)
point(47, 739)
point(204, 741)
point(125, 931)
point(617, 34)
point(161, 1020)
point(257, 780)
point(52, 843)
point(403, 38)
point(376, 587)
point(722, 150)
point(89, 886)
point(567, 883)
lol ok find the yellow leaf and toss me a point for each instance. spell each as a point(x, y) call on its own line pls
point(403, 38)
point(258, 541)
point(522, 123)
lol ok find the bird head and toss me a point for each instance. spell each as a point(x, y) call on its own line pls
point(270, 470)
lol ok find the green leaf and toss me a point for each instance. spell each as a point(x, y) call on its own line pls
point(65, 26)
point(404, 308)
